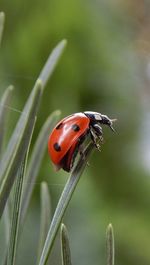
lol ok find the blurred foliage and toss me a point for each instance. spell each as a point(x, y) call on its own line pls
point(105, 68)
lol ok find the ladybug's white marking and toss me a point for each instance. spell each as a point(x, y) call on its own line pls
point(97, 117)
point(94, 115)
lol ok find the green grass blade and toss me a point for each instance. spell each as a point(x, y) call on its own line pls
point(45, 74)
point(7, 223)
point(63, 203)
point(5, 101)
point(35, 161)
point(2, 20)
point(7, 230)
point(110, 245)
point(52, 62)
point(17, 147)
point(45, 216)
point(28, 114)
point(65, 248)
point(19, 140)
point(15, 218)
point(13, 241)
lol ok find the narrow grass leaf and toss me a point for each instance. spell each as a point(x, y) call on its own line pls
point(19, 139)
point(65, 248)
point(14, 224)
point(35, 161)
point(7, 223)
point(13, 242)
point(63, 203)
point(2, 20)
point(52, 62)
point(5, 101)
point(110, 245)
point(17, 147)
point(45, 216)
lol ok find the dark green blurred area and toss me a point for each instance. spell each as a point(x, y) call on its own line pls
point(105, 68)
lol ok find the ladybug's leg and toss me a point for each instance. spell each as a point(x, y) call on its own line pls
point(80, 144)
point(81, 151)
point(98, 131)
point(96, 135)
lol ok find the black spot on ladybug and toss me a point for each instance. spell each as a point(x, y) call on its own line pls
point(75, 128)
point(59, 126)
point(57, 147)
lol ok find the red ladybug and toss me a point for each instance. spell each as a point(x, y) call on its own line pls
point(67, 137)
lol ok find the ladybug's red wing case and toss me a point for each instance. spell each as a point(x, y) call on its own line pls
point(66, 135)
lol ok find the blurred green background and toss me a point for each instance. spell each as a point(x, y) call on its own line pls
point(105, 68)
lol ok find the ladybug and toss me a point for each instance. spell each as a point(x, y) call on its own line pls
point(66, 139)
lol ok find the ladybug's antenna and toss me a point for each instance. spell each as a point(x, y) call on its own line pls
point(111, 127)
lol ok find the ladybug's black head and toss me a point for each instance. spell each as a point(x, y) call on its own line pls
point(100, 118)
point(109, 122)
